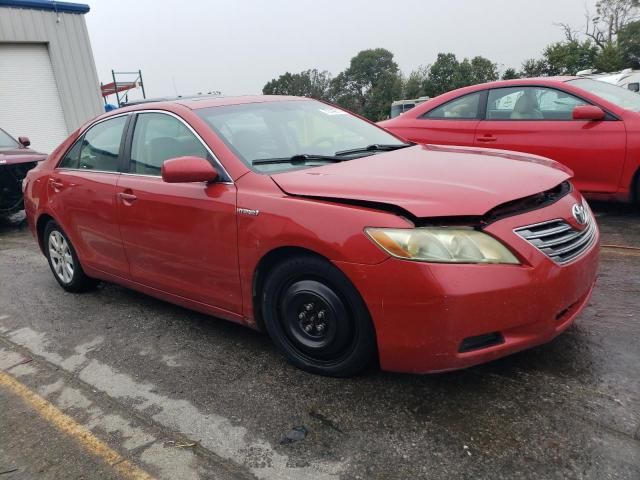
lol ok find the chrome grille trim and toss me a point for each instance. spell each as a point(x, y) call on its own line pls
point(559, 240)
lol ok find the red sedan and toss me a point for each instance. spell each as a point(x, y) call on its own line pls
point(592, 127)
point(340, 240)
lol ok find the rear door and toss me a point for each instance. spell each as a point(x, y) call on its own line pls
point(82, 194)
point(179, 238)
point(453, 123)
point(539, 120)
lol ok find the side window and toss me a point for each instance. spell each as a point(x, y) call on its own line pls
point(72, 158)
point(556, 104)
point(101, 145)
point(463, 108)
point(158, 137)
point(530, 103)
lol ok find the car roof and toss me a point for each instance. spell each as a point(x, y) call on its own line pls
point(206, 101)
point(524, 81)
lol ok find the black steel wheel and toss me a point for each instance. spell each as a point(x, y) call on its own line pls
point(316, 317)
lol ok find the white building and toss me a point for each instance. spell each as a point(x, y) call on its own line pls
point(48, 80)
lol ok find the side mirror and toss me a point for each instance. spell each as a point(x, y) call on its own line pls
point(188, 169)
point(24, 141)
point(634, 87)
point(588, 112)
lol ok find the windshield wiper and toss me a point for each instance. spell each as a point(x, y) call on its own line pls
point(299, 158)
point(376, 147)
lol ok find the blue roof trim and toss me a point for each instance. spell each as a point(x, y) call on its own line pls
point(47, 5)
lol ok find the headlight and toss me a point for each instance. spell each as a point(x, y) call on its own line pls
point(442, 245)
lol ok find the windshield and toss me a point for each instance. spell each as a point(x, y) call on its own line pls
point(612, 93)
point(281, 130)
point(6, 141)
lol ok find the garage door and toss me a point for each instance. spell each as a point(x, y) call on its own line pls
point(29, 99)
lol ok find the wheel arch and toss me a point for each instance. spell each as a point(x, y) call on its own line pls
point(268, 261)
point(41, 224)
point(635, 187)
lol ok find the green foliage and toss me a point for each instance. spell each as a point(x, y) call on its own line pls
point(413, 85)
point(482, 70)
point(568, 58)
point(447, 73)
point(510, 74)
point(442, 76)
point(533, 68)
point(609, 59)
point(629, 43)
point(310, 83)
point(369, 85)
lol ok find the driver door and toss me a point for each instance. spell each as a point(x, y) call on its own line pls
point(544, 125)
point(179, 238)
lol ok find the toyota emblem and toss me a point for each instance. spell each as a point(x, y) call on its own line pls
point(579, 213)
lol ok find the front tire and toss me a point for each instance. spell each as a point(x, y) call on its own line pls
point(316, 317)
point(64, 262)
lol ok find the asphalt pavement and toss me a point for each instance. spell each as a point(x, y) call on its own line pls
point(115, 384)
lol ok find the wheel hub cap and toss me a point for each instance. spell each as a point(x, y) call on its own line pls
point(61, 258)
point(315, 319)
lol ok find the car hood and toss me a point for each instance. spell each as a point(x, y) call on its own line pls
point(20, 155)
point(430, 180)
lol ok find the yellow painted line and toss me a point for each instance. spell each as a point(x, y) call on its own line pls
point(68, 426)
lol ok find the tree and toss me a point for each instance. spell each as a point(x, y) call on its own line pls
point(613, 41)
point(629, 43)
point(443, 75)
point(310, 83)
point(533, 68)
point(369, 84)
point(569, 57)
point(510, 74)
point(343, 92)
point(609, 59)
point(413, 85)
point(387, 88)
point(482, 70)
point(612, 16)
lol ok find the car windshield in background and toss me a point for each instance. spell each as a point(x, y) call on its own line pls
point(275, 136)
point(619, 96)
point(6, 142)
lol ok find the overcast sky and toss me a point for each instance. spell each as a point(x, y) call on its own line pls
point(236, 46)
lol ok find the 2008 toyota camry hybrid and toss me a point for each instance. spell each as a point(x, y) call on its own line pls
point(343, 242)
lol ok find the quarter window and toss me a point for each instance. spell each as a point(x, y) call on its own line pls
point(101, 146)
point(531, 103)
point(159, 137)
point(463, 108)
point(72, 158)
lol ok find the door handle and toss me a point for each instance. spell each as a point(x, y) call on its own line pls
point(487, 138)
point(127, 198)
point(57, 185)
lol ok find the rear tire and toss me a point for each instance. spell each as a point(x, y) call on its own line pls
point(316, 317)
point(64, 262)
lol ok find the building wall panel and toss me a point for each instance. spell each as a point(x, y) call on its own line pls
point(70, 52)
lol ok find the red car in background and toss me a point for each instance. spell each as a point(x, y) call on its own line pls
point(592, 127)
point(16, 159)
point(340, 240)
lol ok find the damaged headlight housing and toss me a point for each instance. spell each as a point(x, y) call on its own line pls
point(442, 245)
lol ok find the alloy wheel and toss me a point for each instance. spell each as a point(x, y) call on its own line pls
point(61, 258)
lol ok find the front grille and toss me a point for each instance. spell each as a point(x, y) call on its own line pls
point(558, 240)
